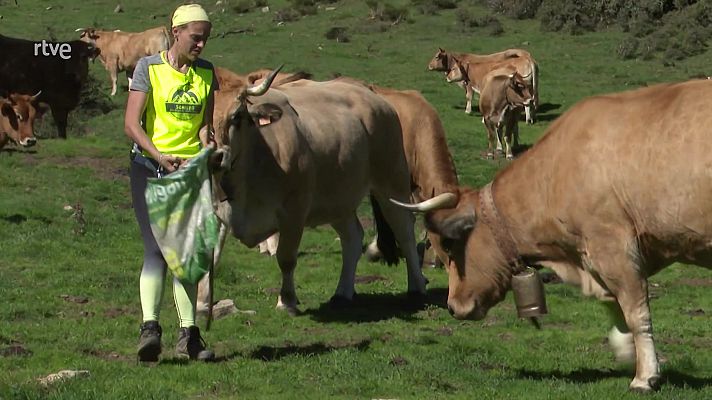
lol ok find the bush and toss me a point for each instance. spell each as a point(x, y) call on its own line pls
point(338, 33)
point(243, 6)
point(386, 12)
point(261, 3)
point(286, 15)
point(467, 20)
point(518, 9)
point(304, 7)
point(574, 17)
point(627, 49)
point(431, 7)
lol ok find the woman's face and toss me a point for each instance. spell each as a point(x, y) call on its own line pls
point(191, 38)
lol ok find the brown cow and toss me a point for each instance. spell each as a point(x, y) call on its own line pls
point(60, 79)
point(17, 116)
point(503, 96)
point(602, 216)
point(120, 51)
point(481, 65)
point(285, 166)
point(432, 170)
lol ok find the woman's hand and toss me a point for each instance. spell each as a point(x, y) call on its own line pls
point(171, 163)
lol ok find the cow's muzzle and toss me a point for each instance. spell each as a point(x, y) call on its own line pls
point(28, 142)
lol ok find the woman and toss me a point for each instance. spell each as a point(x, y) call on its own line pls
point(169, 118)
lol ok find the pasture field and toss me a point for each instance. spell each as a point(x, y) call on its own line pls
point(69, 279)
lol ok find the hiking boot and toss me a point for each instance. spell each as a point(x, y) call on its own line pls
point(192, 346)
point(149, 341)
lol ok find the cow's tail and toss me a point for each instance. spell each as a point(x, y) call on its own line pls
point(385, 239)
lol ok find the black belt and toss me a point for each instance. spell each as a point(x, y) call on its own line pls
point(151, 164)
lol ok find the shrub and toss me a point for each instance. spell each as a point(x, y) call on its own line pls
point(304, 7)
point(338, 33)
point(627, 49)
point(431, 7)
point(286, 15)
point(243, 6)
point(518, 9)
point(386, 12)
point(261, 3)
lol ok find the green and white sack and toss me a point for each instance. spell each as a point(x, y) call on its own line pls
point(182, 218)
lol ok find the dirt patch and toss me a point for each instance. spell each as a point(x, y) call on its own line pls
point(272, 290)
point(696, 282)
point(106, 355)
point(105, 168)
point(15, 350)
point(74, 299)
point(697, 312)
point(398, 361)
point(117, 312)
point(365, 279)
point(445, 331)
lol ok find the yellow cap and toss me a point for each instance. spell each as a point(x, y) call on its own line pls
point(188, 13)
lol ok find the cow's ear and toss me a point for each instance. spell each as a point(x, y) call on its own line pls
point(453, 223)
point(6, 109)
point(41, 108)
point(266, 113)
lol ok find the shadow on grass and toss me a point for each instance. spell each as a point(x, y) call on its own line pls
point(17, 150)
point(374, 307)
point(586, 375)
point(19, 218)
point(544, 108)
point(275, 353)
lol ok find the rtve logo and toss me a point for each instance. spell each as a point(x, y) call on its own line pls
point(63, 50)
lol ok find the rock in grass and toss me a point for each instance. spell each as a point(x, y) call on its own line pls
point(61, 375)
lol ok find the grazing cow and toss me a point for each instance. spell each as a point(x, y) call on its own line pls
point(432, 170)
point(120, 51)
point(306, 154)
point(17, 116)
point(60, 79)
point(600, 215)
point(480, 65)
point(504, 94)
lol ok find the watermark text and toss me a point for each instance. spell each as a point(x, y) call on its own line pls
point(63, 50)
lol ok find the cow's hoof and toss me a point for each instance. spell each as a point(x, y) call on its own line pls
point(338, 302)
point(289, 306)
point(645, 386)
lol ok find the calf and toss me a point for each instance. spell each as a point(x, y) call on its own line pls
point(120, 51)
point(17, 115)
point(502, 98)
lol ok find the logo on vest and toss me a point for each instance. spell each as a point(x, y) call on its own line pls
point(184, 105)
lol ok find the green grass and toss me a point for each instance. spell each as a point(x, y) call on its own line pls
point(382, 348)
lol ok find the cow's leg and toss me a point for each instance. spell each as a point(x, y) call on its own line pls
point(509, 133)
point(468, 95)
point(290, 235)
point(402, 223)
point(203, 285)
point(59, 114)
point(491, 133)
point(619, 337)
point(351, 237)
point(613, 257)
point(113, 68)
point(129, 76)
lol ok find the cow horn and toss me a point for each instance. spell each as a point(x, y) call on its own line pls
point(80, 29)
point(444, 200)
point(262, 88)
point(36, 95)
